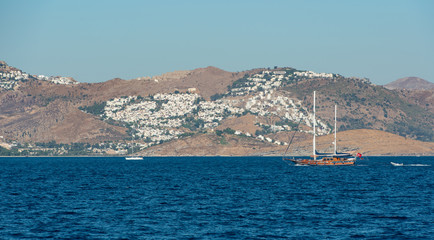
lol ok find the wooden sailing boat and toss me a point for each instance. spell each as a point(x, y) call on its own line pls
point(321, 159)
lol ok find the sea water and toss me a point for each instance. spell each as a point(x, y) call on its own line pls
point(215, 198)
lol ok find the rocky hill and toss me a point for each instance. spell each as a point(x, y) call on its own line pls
point(206, 111)
point(410, 83)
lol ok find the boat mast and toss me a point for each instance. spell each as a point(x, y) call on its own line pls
point(314, 127)
point(336, 107)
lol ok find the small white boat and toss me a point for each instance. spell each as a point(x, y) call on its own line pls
point(136, 158)
point(397, 164)
point(133, 158)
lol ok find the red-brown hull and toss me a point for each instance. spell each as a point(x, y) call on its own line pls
point(324, 162)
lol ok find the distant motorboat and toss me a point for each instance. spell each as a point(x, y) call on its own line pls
point(133, 158)
point(397, 164)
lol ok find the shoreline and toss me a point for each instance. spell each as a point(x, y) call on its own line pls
point(197, 156)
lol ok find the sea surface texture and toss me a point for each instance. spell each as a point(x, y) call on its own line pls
point(215, 198)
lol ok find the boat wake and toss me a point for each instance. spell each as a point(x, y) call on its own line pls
point(409, 165)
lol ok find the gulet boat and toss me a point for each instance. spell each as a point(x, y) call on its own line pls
point(324, 159)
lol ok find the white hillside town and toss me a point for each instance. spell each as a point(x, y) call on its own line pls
point(57, 79)
point(11, 78)
point(311, 74)
point(167, 116)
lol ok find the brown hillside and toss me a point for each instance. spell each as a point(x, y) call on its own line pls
point(207, 81)
point(375, 142)
point(246, 124)
point(59, 121)
point(78, 126)
point(213, 145)
point(42, 112)
point(423, 98)
point(367, 142)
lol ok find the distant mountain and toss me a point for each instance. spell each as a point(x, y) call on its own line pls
point(410, 83)
point(228, 113)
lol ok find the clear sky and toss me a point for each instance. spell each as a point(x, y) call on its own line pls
point(94, 41)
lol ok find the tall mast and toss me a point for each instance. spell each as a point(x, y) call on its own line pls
point(336, 107)
point(314, 128)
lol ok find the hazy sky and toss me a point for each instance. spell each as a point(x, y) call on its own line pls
point(94, 41)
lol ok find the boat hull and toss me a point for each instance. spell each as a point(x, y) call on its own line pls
point(133, 158)
point(324, 162)
point(397, 164)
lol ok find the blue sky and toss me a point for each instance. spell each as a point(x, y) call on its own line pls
point(94, 41)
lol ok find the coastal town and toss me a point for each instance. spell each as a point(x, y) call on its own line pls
point(163, 117)
point(167, 116)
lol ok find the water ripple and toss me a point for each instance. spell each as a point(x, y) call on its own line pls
point(214, 198)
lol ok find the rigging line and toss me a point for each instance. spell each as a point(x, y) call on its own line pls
point(290, 140)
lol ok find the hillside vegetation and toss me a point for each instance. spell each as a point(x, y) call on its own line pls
point(365, 106)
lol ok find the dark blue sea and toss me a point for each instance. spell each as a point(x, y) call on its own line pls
point(215, 198)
